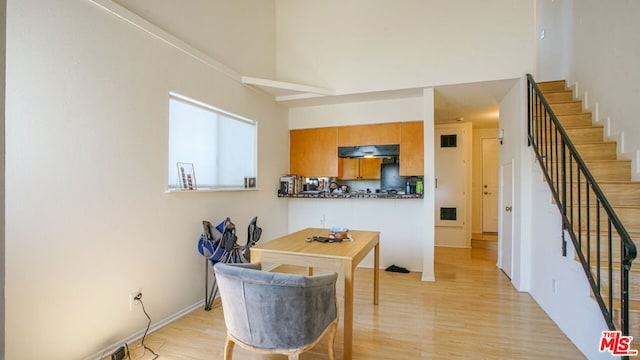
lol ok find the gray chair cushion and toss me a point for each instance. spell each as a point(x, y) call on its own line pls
point(274, 310)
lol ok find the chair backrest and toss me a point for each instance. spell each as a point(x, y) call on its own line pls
point(273, 310)
point(254, 232)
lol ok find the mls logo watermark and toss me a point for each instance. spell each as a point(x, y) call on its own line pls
point(616, 344)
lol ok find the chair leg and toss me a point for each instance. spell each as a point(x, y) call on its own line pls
point(332, 338)
point(228, 348)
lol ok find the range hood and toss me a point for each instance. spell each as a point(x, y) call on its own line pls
point(368, 151)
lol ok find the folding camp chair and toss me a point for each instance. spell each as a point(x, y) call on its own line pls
point(223, 249)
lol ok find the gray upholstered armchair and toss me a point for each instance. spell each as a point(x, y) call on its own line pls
point(271, 312)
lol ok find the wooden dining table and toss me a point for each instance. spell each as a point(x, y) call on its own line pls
point(342, 257)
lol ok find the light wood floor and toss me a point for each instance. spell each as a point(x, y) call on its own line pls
point(471, 311)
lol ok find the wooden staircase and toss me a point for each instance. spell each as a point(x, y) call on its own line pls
point(614, 178)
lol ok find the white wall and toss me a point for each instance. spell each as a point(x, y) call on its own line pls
point(364, 45)
point(401, 237)
point(3, 37)
point(570, 304)
point(356, 113)
point(605, 57)
point(88, 220)
point(238, 33)
point(514, 149)
point(428, 273)
point(554, 49)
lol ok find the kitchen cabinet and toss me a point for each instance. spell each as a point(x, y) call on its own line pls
point(314, 152)
point(376, 134)
point(359, 169)
point(412, 148)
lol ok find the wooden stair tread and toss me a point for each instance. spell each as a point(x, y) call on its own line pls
point(596, 161)
point(583, 127)
point(552, 85)
point(634, 305)
point(612, 182)
point(562, 92)
point(565, 102)
point(615, 265)
point(615, 207)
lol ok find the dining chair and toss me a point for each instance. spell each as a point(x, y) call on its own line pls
point(269, 312)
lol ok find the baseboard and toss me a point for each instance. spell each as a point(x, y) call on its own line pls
point(138, 335)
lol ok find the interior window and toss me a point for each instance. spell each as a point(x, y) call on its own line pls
point(209, 148)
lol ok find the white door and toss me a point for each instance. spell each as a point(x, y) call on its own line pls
point(505, 237)
point(490, 170)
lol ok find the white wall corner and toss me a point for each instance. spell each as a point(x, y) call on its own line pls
point(620, 141)
point(607, 126)
point(574, 88)
point(585, 101)
point(636, 171)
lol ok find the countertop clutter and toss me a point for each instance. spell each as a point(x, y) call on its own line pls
point(351, 195)
point(293, 186)
point(379, 161)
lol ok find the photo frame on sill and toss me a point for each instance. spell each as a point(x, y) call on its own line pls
point(186, 176)
point(249, 182)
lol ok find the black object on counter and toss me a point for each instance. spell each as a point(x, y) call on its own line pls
point(390, 178)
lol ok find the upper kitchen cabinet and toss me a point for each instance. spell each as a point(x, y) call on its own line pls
point(412, 148)
point(314, 152)
point(377, 134)
point(359, 169)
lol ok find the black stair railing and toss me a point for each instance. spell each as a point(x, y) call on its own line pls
point(601, 242)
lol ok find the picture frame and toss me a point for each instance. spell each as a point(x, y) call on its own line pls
point(186, 176)
point(249, 182)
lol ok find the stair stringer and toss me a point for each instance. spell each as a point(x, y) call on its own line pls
point(558, 283)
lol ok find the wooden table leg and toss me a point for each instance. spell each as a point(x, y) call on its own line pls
point(348, 311)
point(376, 272)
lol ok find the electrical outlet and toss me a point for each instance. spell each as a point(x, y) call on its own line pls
point(134, 299)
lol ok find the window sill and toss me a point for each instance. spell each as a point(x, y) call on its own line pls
point(209, 190)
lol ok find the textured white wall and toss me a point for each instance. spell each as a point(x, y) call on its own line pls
point(604, 64)
point(513, 149)
point(356, 113)
point(238, 33)
point(401, 237)
point(3, 37)
point(88, 219)
point(365, 45)
point(570, 306)
point(554, 48)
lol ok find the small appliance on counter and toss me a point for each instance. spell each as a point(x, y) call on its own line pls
point(390, 179)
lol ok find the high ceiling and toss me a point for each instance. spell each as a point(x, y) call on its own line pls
point(477, 102)
point(474, 102)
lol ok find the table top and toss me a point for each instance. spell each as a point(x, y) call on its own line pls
point(362, 241)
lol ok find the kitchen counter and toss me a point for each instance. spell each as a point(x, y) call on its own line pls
point(353, 195)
